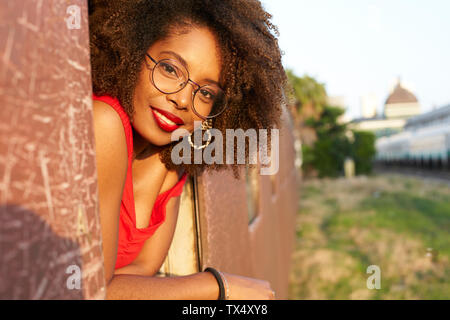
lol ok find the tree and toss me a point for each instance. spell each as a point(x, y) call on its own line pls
point(331, 145)
point(363, 151)
point(307, 91)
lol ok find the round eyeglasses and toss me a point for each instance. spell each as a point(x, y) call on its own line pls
point(171, 76)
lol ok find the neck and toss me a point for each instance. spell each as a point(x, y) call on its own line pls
point(142, 148)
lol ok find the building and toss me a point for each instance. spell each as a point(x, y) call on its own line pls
point(369, 104)
point(400, 105)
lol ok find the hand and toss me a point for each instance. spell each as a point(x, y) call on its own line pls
point(243, 288)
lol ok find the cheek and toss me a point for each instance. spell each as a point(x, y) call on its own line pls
point(149, 91)
point(144, 87)
point(194, 123)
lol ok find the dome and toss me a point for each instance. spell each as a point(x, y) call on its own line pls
point(401, 95)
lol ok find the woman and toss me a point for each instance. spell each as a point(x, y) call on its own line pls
point(159, 66)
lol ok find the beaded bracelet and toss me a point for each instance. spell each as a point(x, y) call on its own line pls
point(223, 288)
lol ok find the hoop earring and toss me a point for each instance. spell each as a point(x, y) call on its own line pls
point(206, 125)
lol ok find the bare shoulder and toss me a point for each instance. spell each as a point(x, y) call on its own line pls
point(110, 140)
point(105, 117)
point(108, 126)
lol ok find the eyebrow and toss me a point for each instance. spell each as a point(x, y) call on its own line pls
point(184, 63)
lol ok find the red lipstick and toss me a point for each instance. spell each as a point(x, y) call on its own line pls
point(166, 120)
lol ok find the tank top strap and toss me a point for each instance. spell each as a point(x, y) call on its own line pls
point(178, 188)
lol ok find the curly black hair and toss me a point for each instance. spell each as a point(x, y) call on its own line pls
point(252, 74)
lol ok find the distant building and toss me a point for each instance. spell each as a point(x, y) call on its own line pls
point(369, 104)
point(400, 105)
point(337, 101)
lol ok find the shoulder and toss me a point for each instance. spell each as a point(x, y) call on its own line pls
point(109, 136)
point(107, 122)
point(105, 115)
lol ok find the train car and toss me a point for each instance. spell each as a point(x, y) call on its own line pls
point(429, 146)
point(424, 143)
point(49, 221)
point(394, 149)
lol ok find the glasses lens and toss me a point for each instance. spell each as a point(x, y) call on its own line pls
point(169, 76)
point(209, 101)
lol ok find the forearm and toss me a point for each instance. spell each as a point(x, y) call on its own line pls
point(132, 269)
point(199, 286)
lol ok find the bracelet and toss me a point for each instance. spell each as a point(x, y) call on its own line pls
point(223, 294)
point(227, 297)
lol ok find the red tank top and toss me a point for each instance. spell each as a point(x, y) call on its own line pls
point(131, 239)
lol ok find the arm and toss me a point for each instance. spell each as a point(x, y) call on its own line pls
point(199, 286)
point(110, 144)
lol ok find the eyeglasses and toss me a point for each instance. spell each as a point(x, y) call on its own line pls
point(171, 76)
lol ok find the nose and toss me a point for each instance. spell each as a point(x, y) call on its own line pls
point(183, 99)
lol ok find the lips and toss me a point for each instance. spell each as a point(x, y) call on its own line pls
point(166, 120)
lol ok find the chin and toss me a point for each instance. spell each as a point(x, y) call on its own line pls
point(160, 142)
point(164, 139)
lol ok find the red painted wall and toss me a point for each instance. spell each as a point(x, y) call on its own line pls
point(49, 226)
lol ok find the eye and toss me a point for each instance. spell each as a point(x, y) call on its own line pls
point(206, 94)
point(169, 69)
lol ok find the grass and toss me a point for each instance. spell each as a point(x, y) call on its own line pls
point(398, 223)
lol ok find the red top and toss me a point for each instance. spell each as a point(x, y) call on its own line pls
point(131, 239)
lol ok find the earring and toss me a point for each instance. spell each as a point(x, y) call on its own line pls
point(206, 125)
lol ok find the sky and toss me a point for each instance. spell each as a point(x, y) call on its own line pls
point(361, 47)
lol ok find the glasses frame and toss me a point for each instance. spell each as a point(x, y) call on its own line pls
point(184, 86)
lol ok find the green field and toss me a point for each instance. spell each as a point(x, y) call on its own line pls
point(398, 223)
